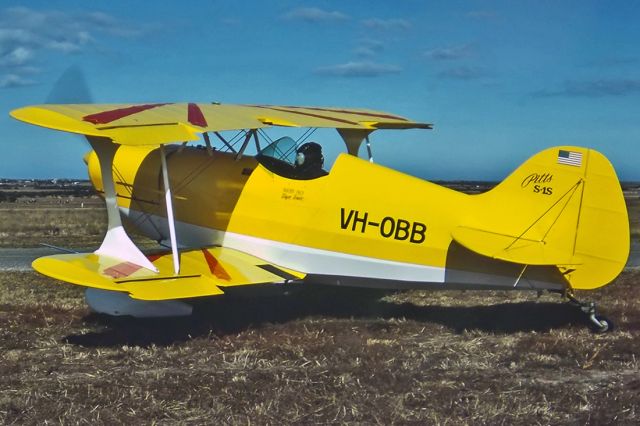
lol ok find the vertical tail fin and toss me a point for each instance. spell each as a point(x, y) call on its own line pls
point(564, 206)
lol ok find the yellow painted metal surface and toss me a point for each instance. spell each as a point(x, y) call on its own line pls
point(151, 124)
point(203, 272)
point(545, 213)
point(576, 215)
point(339, 212)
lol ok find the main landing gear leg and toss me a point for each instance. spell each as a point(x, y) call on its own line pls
point(599, 324)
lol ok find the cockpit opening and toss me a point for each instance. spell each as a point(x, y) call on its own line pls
point(283, 157)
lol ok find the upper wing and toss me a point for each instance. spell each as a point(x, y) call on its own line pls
point(204, 272)
point(146, 124)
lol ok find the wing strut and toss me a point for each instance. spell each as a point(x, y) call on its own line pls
point(170, 217)
point(224, 141)
point(255, 139)
point(247, 138)
point(117, 243)
point(208, 142)
point(353, 139)
point(369, 149)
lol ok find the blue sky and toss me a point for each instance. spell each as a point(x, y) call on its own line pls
point(500, 80)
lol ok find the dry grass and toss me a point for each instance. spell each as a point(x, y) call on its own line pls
point(319, 356)
point(77, 222)
point(633, 207)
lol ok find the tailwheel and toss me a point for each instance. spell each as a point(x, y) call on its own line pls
point(599, 324)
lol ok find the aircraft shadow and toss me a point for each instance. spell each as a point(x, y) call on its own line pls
point(221, 317)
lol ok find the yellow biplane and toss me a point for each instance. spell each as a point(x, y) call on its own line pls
point(557, 223)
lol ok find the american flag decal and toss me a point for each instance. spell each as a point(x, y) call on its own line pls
point(570, 158)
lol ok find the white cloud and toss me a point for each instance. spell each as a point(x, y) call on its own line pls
point(594, 89)
point(231, 21)
point(13, 80)
point(16, 57)
point(314, 15)
point(368, 48)
point(449, 53)
point(27, 70)
point(387, 24)
point(108, 24)
point(482, 14)
point(463, 73)
point(25, 34)
point(64, 46)
point(359, 69)
point(13, 35)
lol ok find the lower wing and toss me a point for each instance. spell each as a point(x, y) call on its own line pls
point(203, 272)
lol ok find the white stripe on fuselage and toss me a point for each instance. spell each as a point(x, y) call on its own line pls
point(296, 257)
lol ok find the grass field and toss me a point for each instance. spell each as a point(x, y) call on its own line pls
point(315, 356)
point(57, 221)
point(319, 357)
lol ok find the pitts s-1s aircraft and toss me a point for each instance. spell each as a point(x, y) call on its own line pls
point(557, 223)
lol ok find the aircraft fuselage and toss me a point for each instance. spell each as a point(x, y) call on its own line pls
point(361, 225)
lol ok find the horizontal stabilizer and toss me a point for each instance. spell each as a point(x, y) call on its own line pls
point(204, 272)
point(511, 248)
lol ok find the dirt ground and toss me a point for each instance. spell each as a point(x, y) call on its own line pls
point(319, 356)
